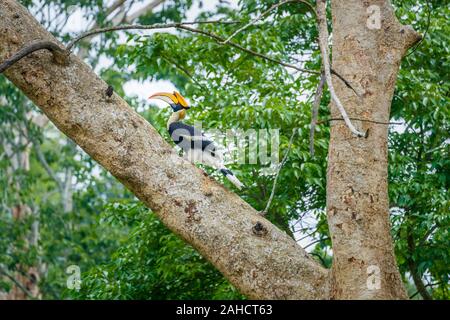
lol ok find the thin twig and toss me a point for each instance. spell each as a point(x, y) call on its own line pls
point(426, 30)
point(141, 27)
point(280, 166)
point(316, 241)
point(362, 120)
point(315, 112)
point(57, 52)
point(427, 285)
point(249, 51)
point(347, 84)
point(184, 70)
point(310, 234)
point(253, 22)
point(264, 14)
point(61, 54)
point(323, 44)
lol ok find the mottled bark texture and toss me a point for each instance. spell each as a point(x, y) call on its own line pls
point(357, 195)
point(261, 262)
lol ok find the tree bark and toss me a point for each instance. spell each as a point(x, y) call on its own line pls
point(262, 263)
point(357, 194)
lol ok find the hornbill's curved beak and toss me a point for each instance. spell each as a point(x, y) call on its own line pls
point(175, 99)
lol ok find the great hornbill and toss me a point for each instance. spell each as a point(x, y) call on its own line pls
point(196, 147)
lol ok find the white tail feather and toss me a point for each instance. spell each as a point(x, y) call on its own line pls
point(232, 178)
point(197, 156)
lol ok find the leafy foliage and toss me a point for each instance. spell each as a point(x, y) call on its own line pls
point(152, 263)
point(419, 155)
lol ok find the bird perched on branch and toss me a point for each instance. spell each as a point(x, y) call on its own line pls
point(196, 147)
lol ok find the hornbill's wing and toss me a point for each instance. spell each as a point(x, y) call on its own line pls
point(181, 129)
point(190, 138)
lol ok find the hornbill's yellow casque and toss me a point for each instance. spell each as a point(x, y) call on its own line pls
point(196, 147)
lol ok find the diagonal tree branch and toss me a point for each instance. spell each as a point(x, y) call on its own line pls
point(249, 51)
point(186, 26)
point(114, 6)
point(146, 9)
point(218, 223)
point(141, 27)
point(412, 265)
point(280, 166)
point(58, 53)
point(16, 283)
point(181, 26)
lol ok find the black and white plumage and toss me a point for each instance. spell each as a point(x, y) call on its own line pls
point(197, 148)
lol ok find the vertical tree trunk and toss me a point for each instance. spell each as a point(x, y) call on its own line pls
point(259, 259)
point(28, 277)
point(366, 51)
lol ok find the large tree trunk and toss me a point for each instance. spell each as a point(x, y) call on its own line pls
point(364, 264)
point(261, 262)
